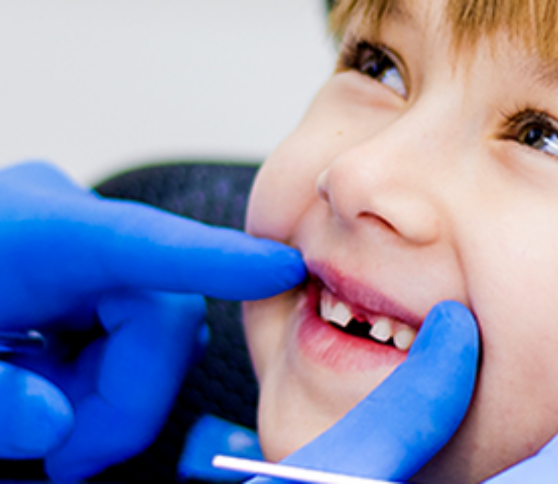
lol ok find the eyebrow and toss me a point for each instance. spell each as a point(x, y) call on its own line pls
point(542, 72)
point(545, 73)
point(398, 11)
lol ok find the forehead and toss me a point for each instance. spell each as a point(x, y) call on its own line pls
point(530, 24)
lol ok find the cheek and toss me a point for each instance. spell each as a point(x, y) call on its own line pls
point(511, 273)
point(285, 187)
point(513, 277)
point(520, 336)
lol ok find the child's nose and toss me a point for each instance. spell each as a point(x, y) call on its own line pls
point(370, 186)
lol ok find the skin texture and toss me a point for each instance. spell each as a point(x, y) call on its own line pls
point(422, 198)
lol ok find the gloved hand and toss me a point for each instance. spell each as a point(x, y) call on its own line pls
point(400, 425)
point(542, 468)
point(110, 277)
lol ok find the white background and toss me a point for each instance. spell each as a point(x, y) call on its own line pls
point(97, 86)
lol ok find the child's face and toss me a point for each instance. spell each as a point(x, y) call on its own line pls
point(415, 178)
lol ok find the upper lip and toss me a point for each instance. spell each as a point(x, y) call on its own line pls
point(362, 297)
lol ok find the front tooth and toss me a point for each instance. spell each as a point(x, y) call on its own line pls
point(382, 330)
point(325, 308)
point(340, 314)
point(404, 338)
point(334, 311)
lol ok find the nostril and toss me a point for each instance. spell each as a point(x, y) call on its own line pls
point(373, 218)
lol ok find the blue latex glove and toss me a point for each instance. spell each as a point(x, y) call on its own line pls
point(73, 263)
point(399, 427)
point(540, 469)
point(211, 436)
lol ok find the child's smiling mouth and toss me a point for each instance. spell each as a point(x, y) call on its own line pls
point(347, 326)
point(379, 328)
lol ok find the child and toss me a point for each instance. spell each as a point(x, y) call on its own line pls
point(425, 169)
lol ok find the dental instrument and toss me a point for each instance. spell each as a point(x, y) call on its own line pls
point(21, 342)
point(282, 471)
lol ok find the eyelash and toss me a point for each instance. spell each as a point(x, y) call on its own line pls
point(534, 123)
point(375, 61)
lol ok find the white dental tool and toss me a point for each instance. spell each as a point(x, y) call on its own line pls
point(281, 471)
point(21, 342)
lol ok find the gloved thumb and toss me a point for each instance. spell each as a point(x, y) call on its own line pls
point(399, 426)
point(35, 416)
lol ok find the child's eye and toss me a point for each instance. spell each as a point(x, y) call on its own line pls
point(376, 62)
point(540, 138)
point(535, 129)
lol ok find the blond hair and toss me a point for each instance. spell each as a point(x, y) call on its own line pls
point(533, 23)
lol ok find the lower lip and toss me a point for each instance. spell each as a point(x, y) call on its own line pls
point(329, 347)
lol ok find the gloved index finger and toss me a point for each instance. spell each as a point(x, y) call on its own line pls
point(139, 246)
